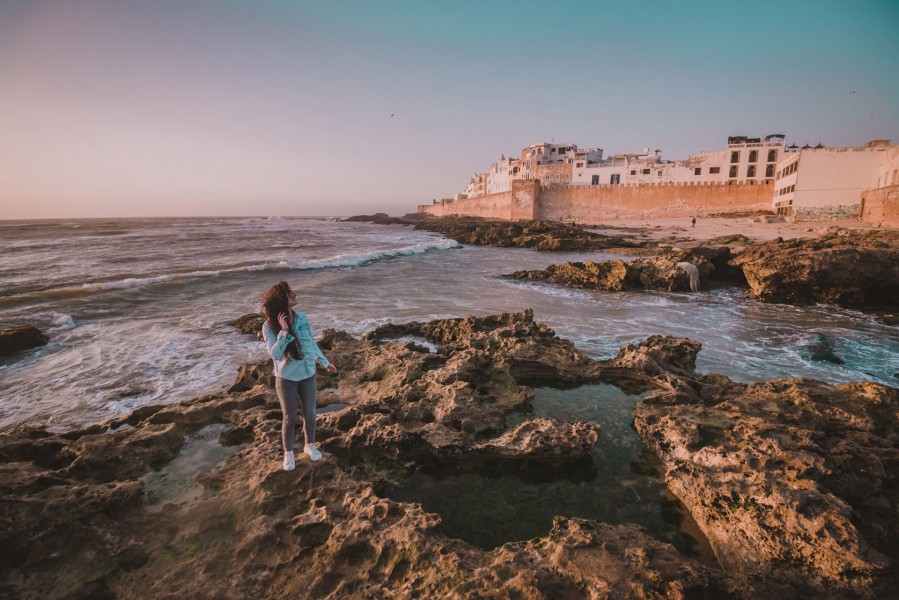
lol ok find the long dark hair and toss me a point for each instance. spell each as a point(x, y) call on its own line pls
point(274, 302)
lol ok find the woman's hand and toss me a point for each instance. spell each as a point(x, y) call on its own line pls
point(331, 368)
point(282, 319)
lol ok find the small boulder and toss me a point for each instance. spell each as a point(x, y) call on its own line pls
point(250, 323)
point(18, 339)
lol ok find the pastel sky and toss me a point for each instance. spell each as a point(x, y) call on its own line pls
point(292, 107)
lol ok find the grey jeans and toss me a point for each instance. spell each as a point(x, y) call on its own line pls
point(288, 393)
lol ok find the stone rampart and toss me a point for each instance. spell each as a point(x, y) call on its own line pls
point(880, 207)
point(513, 205)
point(594, 203)
point(528, 199)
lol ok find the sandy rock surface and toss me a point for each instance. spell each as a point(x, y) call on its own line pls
point(537, 235)
point(852, 269)
point(795, 482)
point(79, 518)
point(664, 273)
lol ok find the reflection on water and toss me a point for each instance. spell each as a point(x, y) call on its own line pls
point(176, 482)
point(490, 504)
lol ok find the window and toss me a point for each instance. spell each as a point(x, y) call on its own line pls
point(659, 173)
point(646, 171)
point(546, 178)
point(580, 165)
point(615, 179)
point(753, 156)
point(769, 171)
point(558, 178)
point(734, 157)
point(733, 171)
point(772, 155)
point(697, 171)
point(634, 172)
point(594, 180)
point(714, 170)
point(750, 172)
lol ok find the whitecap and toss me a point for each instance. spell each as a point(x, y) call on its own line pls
point(62, 322)
point(420, 341)
point(356, 259)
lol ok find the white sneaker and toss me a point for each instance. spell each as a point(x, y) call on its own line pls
point(313, 452)
point(289, 464)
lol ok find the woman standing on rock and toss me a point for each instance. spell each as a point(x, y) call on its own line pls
point(295, 353)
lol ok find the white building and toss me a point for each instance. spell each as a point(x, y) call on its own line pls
point(828, 182)
point(500, 175)
point(751, 160)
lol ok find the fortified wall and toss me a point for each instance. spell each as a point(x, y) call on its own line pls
point(528, 199)
point(516, 204)
point(880, 207)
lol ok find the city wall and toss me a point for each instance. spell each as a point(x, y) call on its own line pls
point(880, 207)
point(513, 205)
point(528, 199)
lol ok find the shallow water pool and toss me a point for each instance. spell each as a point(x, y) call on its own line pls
point(488, 504)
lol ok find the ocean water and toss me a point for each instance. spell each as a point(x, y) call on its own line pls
point(137, 309)
point(618, 482)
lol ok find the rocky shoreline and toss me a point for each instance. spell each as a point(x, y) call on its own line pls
point(856, 269)
point(849, 269)
point(683, 271)
point(536, 235)
point(793, 481)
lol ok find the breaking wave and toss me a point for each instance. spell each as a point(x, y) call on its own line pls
point(351, 259)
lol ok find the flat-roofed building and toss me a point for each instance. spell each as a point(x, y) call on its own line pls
point(820, 182)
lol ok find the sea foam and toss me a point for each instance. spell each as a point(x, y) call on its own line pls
point(352, 259)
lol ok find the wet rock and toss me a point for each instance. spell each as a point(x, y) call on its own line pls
point(794, 481)
point(670, 272)
point(855, 269)
point(408, 400)
point(537, 235)
point(605, 561)
point(74, 513)
point(253, 374)
point(542, 438)
point(789, 479)
point(378, 219)
point(20, 338)
point(250, 323)
point(822, 350)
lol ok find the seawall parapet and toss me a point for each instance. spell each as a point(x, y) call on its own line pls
point(529, 199)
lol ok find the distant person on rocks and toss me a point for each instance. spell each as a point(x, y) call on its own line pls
point(293, 349)
point(694, 222)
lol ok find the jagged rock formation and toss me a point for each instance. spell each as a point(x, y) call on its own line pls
point(20, 338)
point(795, 482)
point(378, 219)
point(75, 522)
point(855, 269)
point(664, 272)
point(537, 235)
point(250, 323)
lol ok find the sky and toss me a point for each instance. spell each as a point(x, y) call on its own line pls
point(121, 108)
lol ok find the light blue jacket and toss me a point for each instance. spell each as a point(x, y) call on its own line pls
point(291, 368)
